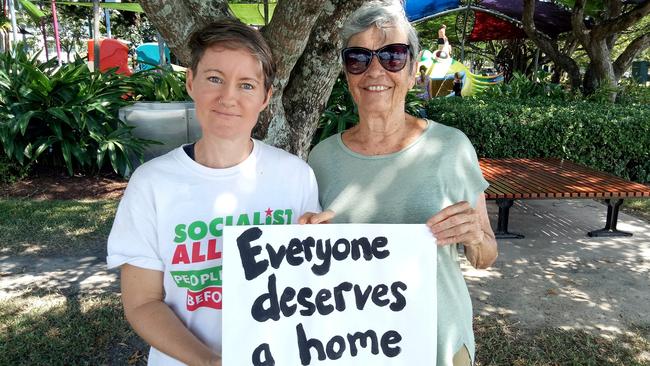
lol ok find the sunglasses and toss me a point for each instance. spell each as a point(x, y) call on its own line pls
point(391, 57)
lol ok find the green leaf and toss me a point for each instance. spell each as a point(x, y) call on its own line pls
point(60, 114)
point(133, 7)
point(56, 128)
point(23, 121)
point(35, 13)
point(42, 146)
point(65, 149)
point(40, 78)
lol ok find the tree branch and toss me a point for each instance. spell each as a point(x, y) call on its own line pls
point(570, 46)
point(548, 47)
point(621, 22)
point(578, 23)
point(624, 61)
point(171, 20)
point(614, 9)
point(476, 50)
point(288, 31)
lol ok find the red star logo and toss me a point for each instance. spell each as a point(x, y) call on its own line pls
point(268, 212)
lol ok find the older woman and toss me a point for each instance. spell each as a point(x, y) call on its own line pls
point(395, 168)
point(167, 232)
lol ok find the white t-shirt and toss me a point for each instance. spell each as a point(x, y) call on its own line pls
point(171, 217)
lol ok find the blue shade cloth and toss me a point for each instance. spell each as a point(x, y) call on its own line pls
point(148, 52)
point(418, 9)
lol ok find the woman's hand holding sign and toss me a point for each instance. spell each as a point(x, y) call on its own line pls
point(316, 218)
point(461, 223)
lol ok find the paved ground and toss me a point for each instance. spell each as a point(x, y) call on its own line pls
point(556, 276)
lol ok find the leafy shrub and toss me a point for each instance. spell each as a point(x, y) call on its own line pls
point(520, 86)
point(64, 116)
point(158, 85)
point(11, 171)
point(610, 137)
point(631, 92)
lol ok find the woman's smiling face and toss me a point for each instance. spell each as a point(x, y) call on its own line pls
point(228, 92)
point(377, 89)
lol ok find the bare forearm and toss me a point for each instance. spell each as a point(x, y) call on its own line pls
point(157, 324)
point(484, 254)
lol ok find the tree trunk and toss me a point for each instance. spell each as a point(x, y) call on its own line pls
point(287, 34)
point(569, 48)
point(175, 20)
point(589, 81)
point(599, 55)
point(599, 40)
point(624, 60)
point(550, 47)
point(314, 76)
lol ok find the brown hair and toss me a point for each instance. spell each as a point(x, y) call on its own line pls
point(232, 34)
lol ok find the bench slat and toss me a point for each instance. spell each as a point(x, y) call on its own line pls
point(553, 178)
point(513, 174)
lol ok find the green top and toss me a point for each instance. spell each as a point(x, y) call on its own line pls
point(438, 169)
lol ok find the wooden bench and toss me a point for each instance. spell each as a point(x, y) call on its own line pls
point(543, 178)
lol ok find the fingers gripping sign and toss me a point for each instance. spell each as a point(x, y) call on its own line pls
point(458, 223)
point(316, 218)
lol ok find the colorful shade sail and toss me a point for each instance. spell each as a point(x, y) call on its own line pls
point(488, 27)
point(550, 19)
point(493, 19)
point(419, 9)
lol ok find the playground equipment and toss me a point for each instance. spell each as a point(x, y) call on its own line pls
point(441, 69)
point(112, 53)
point(148, 55)
point(115, 53)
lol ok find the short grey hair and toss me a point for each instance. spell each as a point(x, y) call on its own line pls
point(381, 14)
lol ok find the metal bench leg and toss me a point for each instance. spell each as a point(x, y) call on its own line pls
point(612, 219)
point(502, 223)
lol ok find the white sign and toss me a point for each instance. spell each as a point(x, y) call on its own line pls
point(344, 294)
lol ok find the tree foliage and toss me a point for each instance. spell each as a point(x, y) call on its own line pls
point(597, 40)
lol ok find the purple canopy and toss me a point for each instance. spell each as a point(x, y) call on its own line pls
point(549, 18)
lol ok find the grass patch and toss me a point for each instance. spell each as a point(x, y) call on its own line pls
point(58, 330)
point(55, 227)
point(638, 207)
point(500, 343)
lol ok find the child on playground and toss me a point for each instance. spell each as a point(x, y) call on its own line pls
point(422, 84)
point(444, 48)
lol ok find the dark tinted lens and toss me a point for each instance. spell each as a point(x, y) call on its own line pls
point(356, 60)
point(393, 57)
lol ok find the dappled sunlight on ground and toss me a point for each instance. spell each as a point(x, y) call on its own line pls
point(559, 277)
point(85, 275)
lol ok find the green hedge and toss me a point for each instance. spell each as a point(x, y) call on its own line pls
point(610, 137)
point(67, 117)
